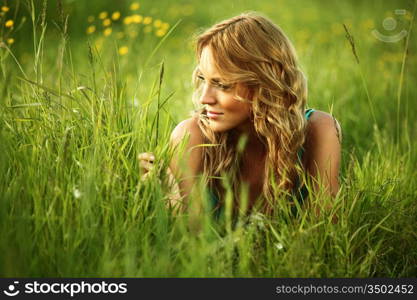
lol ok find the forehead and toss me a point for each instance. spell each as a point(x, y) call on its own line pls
point(207, 64)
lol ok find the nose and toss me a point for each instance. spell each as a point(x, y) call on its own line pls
point(208, 95)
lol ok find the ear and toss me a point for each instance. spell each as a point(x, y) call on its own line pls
point(248, 92)
point(251, 92)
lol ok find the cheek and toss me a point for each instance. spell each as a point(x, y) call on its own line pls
point(240, 108)
point(237, 107)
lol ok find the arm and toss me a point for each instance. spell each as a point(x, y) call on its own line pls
point(323, 146)
point(186, 163)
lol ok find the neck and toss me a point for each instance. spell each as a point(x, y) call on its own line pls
point(253, 143)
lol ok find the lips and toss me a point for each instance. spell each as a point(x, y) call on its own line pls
point(213, 114)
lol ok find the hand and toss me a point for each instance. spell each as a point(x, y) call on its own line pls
point(146, 164)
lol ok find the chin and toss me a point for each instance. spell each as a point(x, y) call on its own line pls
point(216, 127)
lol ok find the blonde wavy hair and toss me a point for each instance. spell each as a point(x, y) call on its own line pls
point(251, 50)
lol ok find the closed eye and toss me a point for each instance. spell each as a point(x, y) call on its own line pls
point(223, 86)
point(216, 83)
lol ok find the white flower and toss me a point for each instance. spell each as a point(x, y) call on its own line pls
point(136, 102)
point(279, 246)
point(77, 194)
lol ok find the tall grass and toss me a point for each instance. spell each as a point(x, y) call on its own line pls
point(73, 120)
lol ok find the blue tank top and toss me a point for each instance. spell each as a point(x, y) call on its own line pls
point(301, 192)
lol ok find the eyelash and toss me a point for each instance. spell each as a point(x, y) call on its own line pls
point(219, 85)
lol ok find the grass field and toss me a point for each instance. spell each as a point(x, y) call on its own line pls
point(82, 96)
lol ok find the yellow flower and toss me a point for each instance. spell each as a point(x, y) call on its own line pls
point(10, 41)
point(127, 20)
point(123, 50)
point(157, 23)
point(106, 22)
point(164, 26)
point(9, 23)
point(134, 6)
point(160, 32)
point(147, 20)
point(137, 19)
point(91, 29)
point(115, 16)
point(103, 15)
point(107, 31)
point(147, 29)
point(90, 19)
point(120, 35)
point(4, 8)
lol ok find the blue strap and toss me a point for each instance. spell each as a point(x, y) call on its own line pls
point(309, 112)
point(307, 115)
point(301, 191)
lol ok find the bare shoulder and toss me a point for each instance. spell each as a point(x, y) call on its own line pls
point(187, 128)
point(323, 150)
point(322, 124)
point(189, 132)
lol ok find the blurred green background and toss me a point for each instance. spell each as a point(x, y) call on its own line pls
point(315, 27)
point(81, 95)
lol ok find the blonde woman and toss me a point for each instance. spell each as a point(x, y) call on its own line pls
point(250, 88)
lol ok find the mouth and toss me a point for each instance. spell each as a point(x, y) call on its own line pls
point(213, 115)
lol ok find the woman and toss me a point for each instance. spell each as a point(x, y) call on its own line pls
point(251, 89)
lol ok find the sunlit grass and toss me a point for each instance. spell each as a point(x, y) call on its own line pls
point(75, 116)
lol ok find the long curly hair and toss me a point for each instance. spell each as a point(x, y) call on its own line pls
point(252, 50)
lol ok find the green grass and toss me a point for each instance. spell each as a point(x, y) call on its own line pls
point(74, 116)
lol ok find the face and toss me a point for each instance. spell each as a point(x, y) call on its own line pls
point(224, 111)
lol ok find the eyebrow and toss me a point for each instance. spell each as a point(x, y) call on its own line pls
point(216, 79)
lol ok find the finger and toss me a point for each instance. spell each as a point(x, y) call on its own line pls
point(144, 177)
point(146, 165)
point(146, 156)
point(171, 177)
